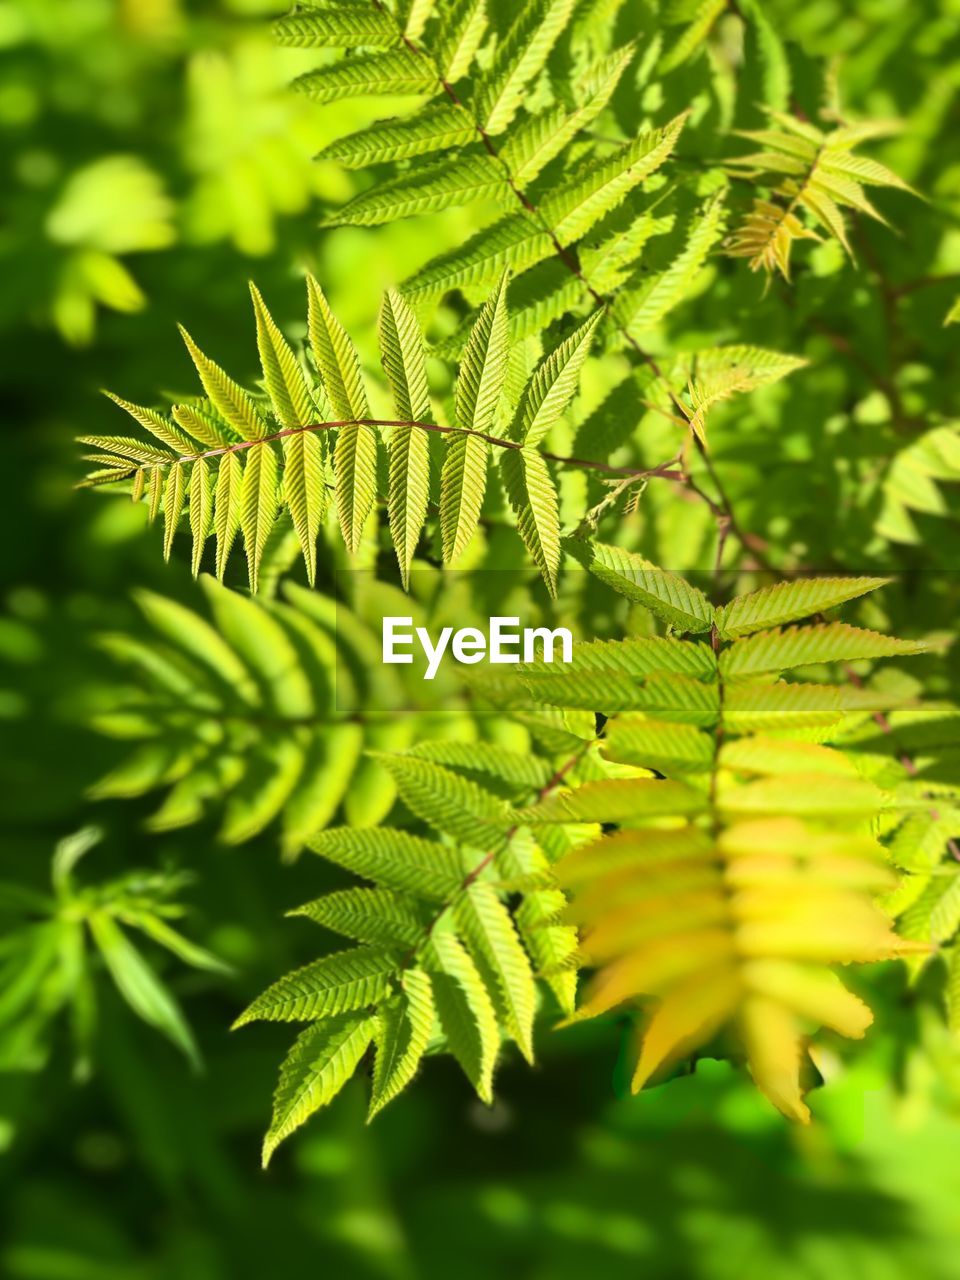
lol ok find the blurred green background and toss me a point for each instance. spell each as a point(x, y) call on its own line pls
point(152, 162)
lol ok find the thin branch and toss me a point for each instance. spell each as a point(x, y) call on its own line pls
point(664, 470)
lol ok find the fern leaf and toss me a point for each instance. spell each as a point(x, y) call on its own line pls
point(198, 640)
point(703, 18)
point(775, 1051)
point(138, 984)
point(427, 189)
point(483, 369)
point(463, 482)
point(789, 601)
point(355, 455)
point(228, 397)
point(201, 425)
point(173, 499)
point(156, 424)
point(766, 236)
point(666, 594)
point(809, 171)
point(322, 1060)
point(529, 149)
point(401, 344)
point(125, 448)
point(393, 859)
point(627, 801)
point(578, 206)
point(227, 507)
point(533, 496)
point(367, 915)
point(646, 656)
point(668, 747)
point(355, 468)
point(774, 63)
point(520, 57)
point(403, 1033)
point(286, 385)
point(415, 14)
point(781, 650)
point(335, 984)
point(752, 708)
point(450, 804)
point(490, 762)
point(553, 385)
point(485, 925)
point(515, 242)
point(464, 1009)
point(325, 777)
point(305, 492)
point(690, 1014)
point(465, 24)
point(387, 74)
point(346, 27)
point(483, 366)
point(662, 695)
point(640, 309)
point(265, 647)
point(259, 504)
point(200, 510)
point(552, 947)
point(435, 128)
point(336, 357)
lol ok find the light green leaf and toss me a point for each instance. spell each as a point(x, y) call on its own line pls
point(401, 344)
point(403, 1033)
point(435, 128)
point(367, 915)
point(305, 492)
point(464, 26)
point(259, 504)
point(666, 594)
point(322, 1060)
point(553, 385)
point(201, 510)
point(573, 209)
point(335, 984)
point(228, 397)
point(464, 1009)
point(394, 859)
point(533, 497)
point(485, 925)
point(386, 74)
point(519, 58)
point(781, 650)
point(452, 805)
point(425, 189)
point(790, 601)
point(345, 27)
point(227, 507)
point(285, 382)
point(174, 497)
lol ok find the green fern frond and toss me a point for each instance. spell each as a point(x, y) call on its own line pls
point(807, 171)
point(259, 716)
point(451, 954)
point(228, 482)
point(733, 882)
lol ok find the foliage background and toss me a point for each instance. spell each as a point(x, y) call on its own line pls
point(152, 161)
